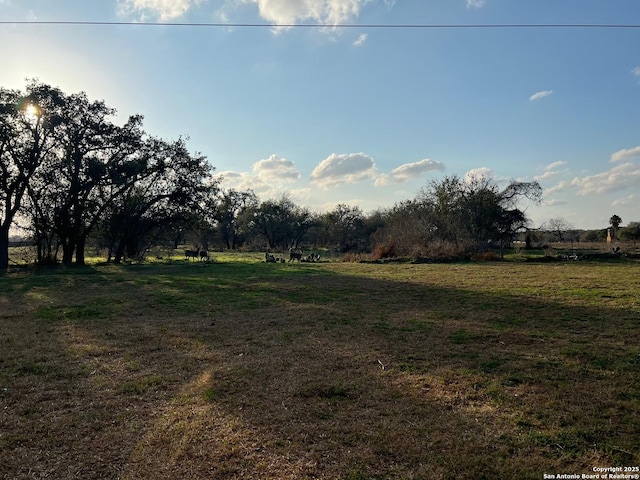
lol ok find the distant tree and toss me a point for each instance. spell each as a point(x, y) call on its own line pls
point(558, 227)
point(345, 227)
point(407, 225)
point(281, 222)
point(439, 208)
point(271, 220)
point(615, 222)
point(631, 232)
point(478, 210)
point(512, 219)
point(27, 122)
point(374, 225)
point(230, 208)
point(466, 214)
point(593, 236)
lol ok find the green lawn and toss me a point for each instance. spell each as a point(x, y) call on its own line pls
point(240, 369)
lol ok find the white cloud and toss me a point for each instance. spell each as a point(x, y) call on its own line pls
point(276, 169)
point(163, 10)
point(247, 181)
point(236, 180)
point(409, 171)
point(619, 178)
point(383, 180)
point(555, 203)
point(478, 174)
point(623, 176)
point(289, 12)
point(630, 200)
point(546, 175)
point(268, 177)
point(558, 187)
point(550, 171)
point(554, 165)
point(540, 95)
point(337, 169)
point(475, 3)
point(625, 154)
point(361, 40)
point(636, 71)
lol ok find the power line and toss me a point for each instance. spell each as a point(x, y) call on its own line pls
point(330, 26)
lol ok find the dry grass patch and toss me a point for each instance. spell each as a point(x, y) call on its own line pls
point(248, 370)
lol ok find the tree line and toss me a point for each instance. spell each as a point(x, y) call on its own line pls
point(560, 230)
point(70, 176)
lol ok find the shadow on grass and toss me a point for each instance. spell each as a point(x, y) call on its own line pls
point(251, 371)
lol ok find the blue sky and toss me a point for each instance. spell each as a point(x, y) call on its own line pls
point(364, 116)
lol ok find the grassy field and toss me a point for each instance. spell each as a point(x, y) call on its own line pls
point(247, 370)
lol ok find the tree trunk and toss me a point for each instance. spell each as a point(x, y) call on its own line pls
point(80, 250)
point(68, 246)
point(4, 248)
point(117, 258)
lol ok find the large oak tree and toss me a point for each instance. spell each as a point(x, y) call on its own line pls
point(65, 155)
point(27, 125)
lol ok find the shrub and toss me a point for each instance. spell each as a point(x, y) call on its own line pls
point(351, 257)
point(384, 250)
point(485, 257)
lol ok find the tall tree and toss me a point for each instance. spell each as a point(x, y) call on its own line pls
point(172, 184)
point(615, 222)
point(281, 222)
point(491, 213)
point(96, 167)
point(345, 227)
point(558, 227)
point(27, 122)
point(230, 206)
point(97, 162)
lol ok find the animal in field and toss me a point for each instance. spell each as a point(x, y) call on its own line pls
point(269, 258)
point(188, 254)
point(295, 254)
point(204, 255)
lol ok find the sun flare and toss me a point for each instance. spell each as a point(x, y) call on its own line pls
point(32, 111)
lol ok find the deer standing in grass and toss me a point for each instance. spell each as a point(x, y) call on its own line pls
point(295, 254)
